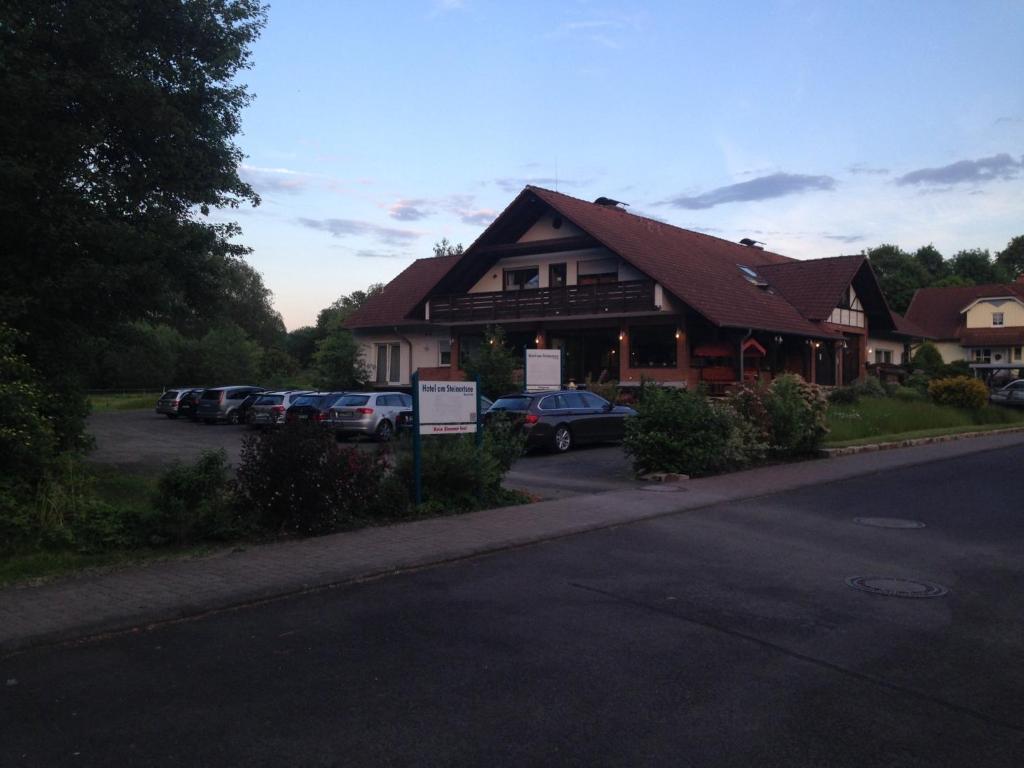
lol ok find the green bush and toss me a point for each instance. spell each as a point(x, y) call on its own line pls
point(609, 390)
point(869, 386)
point(494, 363)
point(684, 432)
point(918, 382)
point(193, 502)
point(456, 475)
point(799, 414)
point(844, 395)
point(908, 394)
point(927, 358)
point(959, 392)
point(298, 480)
point(750, 401)
point(954, 369)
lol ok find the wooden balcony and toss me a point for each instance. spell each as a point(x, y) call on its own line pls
point(609, 298)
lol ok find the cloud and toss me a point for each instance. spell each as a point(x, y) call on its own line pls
point(844, 238)
point(514, 184)
point(367, 254)
point(347, 227)
point(1009, 120)
point(864, 168)
point(270, 180)
point(479, 218)
point(763, 188)
point(1001, 166)
point(410, 210)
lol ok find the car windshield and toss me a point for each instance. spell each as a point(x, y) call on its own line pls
point(305, 400)
point(270, 400)
point(170, 394)
point(353, 400)
point(511, 404)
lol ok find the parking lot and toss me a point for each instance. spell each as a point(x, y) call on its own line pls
point(142, 441)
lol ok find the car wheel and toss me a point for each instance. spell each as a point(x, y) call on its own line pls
point(384, 431)
point(561, 441)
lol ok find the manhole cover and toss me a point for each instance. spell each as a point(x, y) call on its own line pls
point(663, 488)
point(886, 585)
point(888, 522)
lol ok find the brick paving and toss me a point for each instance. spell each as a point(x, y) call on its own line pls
point(91, 604)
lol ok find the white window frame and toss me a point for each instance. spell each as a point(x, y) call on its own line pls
point(390, 376)
point(997, 318)
point(441, 350)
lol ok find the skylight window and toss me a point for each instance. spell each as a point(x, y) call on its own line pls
point(752, 277)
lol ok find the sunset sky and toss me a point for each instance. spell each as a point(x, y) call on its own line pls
point(819, 128)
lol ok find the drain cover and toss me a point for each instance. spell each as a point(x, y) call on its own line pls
point(890, 587)
point(663, 488)
point(888, 522)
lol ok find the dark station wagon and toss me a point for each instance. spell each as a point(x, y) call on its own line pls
point(560, 420)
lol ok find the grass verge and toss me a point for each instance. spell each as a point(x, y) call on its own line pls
point(123, 402)
point(886, 419)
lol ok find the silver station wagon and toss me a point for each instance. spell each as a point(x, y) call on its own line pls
point(372, 414)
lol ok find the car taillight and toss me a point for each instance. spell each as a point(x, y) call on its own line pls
point(319, 416)
point(278, 409)
point(364, 411)
point(531, 418)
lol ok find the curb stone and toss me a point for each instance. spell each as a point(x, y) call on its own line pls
point(831, 453)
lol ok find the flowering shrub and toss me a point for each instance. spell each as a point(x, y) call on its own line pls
point(798, 411)
point(960, 392)
point(299, 480)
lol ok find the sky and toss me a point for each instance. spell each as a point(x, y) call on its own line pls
point(821, 129)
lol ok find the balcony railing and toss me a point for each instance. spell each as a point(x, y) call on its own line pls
point(605, 298)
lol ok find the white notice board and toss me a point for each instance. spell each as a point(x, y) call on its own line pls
point(543, 370)
point(447, 407)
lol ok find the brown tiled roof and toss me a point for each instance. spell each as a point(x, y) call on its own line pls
point(937, 310)
point(905, 327)
point(992, 337)
point(393, 305)
point(814, 286)
point(703, 271)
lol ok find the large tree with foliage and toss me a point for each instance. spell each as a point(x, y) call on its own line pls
point(117, 139)
point(899, 274)
point(1011, 258)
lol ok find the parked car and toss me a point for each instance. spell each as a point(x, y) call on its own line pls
point(372, 414)
point(269, 408)
point(404, 422)
point(170, 401)
point(312, 406)
point(225, 403)
point(561, 420)
point(1011, 394)
point(188, 405)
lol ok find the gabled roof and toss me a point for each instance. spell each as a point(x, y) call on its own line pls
point(937, 310)
point(905, 327)
point(701, 270)
point(814, 286)
point(392, 305)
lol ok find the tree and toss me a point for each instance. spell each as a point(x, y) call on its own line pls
point(226, 355)
point(976, 266)
point(494, 363)
point(1011, 258)
point(333, 316)
point(928, 256)
point(444, 248)
point(338, 362)
point(899, 274)
point(301, 344)
point(121, 143)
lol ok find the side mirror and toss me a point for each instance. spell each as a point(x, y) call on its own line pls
point(609, 407)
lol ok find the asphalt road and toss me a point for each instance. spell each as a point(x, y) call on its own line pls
point(143, 441)
point(724, 636)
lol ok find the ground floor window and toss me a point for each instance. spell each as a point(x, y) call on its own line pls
point(883, 355)
point(652, 346)
point(444, 352)
point(1017, 353)
point(981, 355)
point(389, 364)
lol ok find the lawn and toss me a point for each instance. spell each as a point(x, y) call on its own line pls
point(886, 419)
point(128, 401)
point(113, 487)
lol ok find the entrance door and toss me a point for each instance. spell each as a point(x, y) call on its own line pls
point(825, 364)
point(592, 352)
point(851, 361)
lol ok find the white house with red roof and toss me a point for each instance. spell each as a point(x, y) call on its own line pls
point(628, 298)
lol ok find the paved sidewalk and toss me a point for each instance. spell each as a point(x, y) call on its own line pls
point(93, 604)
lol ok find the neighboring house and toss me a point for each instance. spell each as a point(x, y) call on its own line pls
point(626, 298)
point(983, 324)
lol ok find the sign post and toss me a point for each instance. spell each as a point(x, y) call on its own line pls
point(442, 408)
point(543, 370)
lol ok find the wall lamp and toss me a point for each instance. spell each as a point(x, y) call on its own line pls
point(622, 335)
